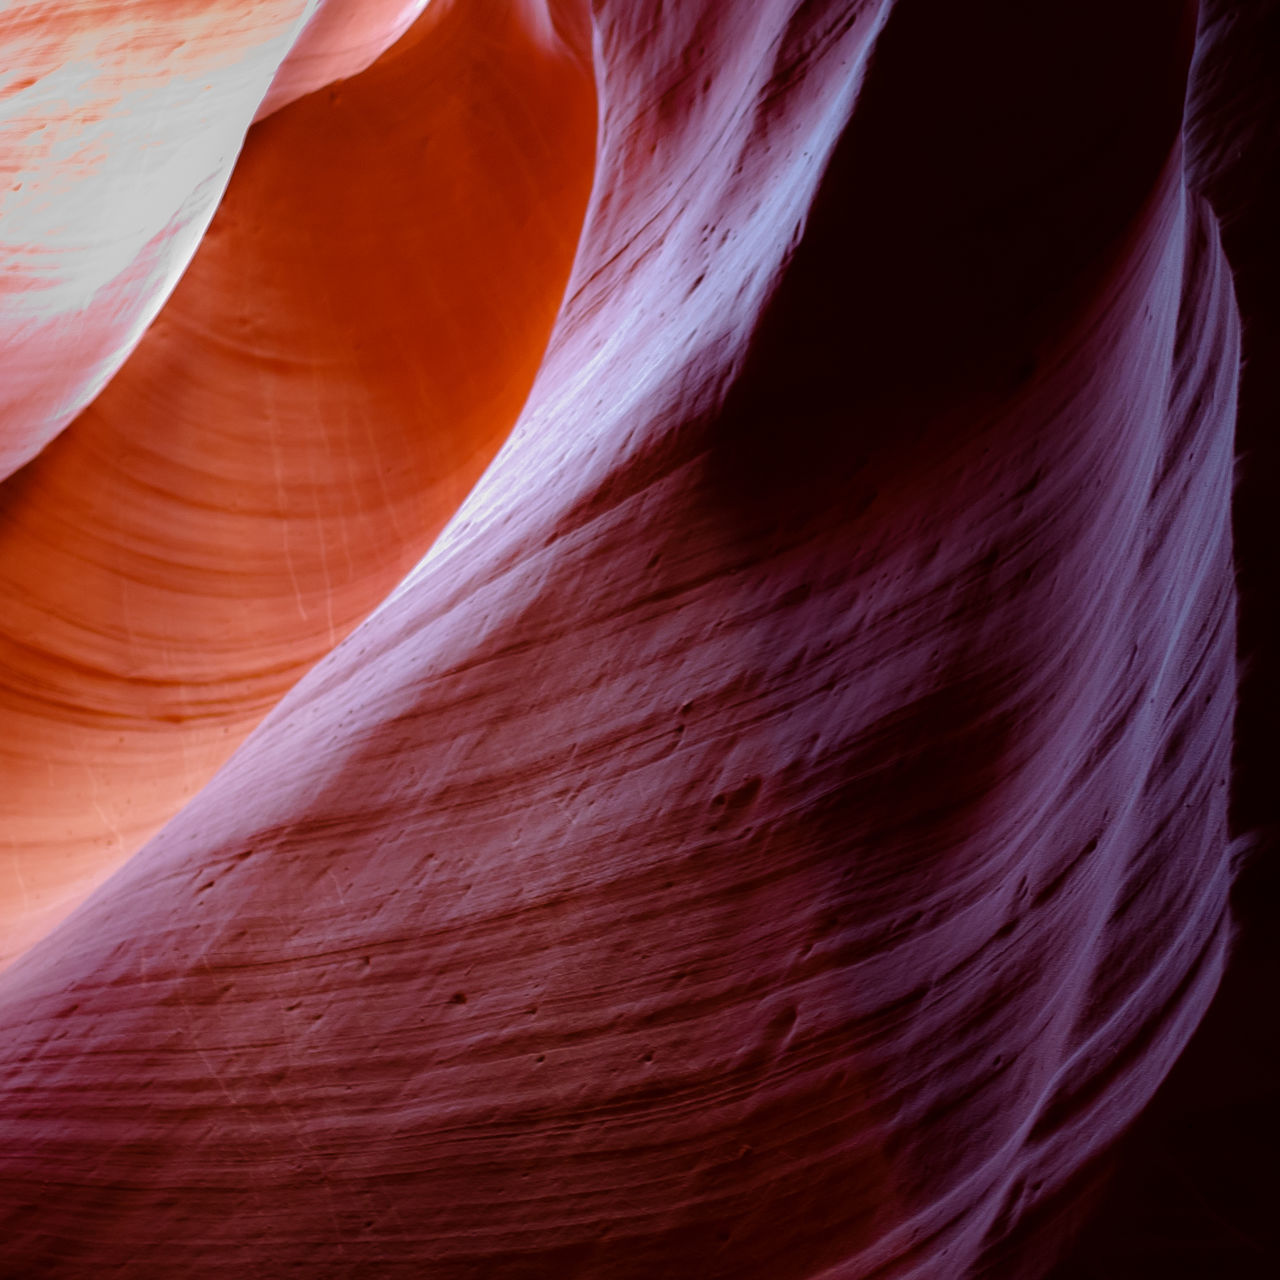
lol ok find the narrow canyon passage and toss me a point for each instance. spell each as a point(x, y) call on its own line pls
point(722, 528)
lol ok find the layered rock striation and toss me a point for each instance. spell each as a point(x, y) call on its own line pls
point(779, 827)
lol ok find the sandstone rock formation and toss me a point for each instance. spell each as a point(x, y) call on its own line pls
point(293, 431)
point(776, 825)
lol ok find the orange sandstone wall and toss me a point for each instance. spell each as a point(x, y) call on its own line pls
point(348, 348)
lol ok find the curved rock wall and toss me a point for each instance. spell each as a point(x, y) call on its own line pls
point(779, 827)
point(293, 431)
point(119, 125)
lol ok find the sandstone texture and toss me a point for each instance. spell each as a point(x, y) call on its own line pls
point(635, 674)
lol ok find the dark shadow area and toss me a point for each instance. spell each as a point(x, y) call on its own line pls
point(998, 153)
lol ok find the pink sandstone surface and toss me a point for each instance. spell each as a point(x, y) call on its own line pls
point(634, 673)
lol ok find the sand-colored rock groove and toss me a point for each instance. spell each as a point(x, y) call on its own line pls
point(779, 828)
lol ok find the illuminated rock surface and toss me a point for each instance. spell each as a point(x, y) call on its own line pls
point(119, 126)
point(780, 827)
point(294, 430)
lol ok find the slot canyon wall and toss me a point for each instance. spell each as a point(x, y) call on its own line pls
point(619, 636)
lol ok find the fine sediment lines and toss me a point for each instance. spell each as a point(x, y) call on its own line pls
point(779, 828)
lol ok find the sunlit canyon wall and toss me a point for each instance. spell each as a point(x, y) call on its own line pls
point(618, 638)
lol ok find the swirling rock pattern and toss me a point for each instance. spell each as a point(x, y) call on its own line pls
point(306, 413)
point(779, 828)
